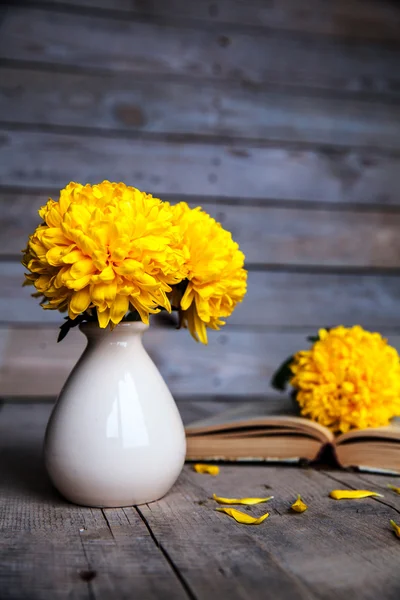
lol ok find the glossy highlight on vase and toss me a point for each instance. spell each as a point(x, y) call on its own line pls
point(115, 437)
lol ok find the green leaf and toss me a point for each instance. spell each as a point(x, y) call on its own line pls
point(132, 315)
point(69, 324)
point(315, 338)
point(282, 376)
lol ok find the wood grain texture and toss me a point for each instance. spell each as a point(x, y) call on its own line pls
point(267, 234)
point(235, 363)
point(52, 549)
point(335, 549)
point(180, 546)
point(274, 299)
point(92, 42)
point(278, 117)
point(238, 363)
point(117, 102)
point(374, 482)
point(199, 540)
point(355, 18)
point(38, 159)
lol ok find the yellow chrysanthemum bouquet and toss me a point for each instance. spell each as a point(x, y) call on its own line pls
point(348, 379)
point(109, 252)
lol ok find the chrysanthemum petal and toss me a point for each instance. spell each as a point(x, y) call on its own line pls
point(353, 494)
point(215, 273)
point(81, 268)
point(79, 284)
point(119, 308)
point(246, 501)
point(349, 379)
point(73, 257)
point(104, 317)
point(109, 246)
point(208, 469)
point(52, 236)
point(200, 328)
point(241, 517)
point(55, 255)
point(129, 267)
point(107, 275)
point(79, 302)
point(395, 527)
point(299, 506)
point(187, 297)
point(103, 293)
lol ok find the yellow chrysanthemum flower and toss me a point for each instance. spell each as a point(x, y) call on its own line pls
point(107, 247)
point(216, 277)
point(349, 379)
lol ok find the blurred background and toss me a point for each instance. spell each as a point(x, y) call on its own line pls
point(281, 118)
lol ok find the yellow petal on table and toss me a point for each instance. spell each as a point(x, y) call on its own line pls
point(242, 517)
point(396, 528)
point(353, 494)
point(395, 489)
point(221, 500)
point(209, 469)
point(299, 506)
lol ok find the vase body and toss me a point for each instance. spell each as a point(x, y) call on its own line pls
point(115, 437)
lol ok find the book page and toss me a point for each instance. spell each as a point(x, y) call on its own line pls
point(374, 455)
point(258, 415)
point(272, 448)
point(391, 432)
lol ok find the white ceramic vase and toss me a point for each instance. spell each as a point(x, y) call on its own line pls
point(115, 436)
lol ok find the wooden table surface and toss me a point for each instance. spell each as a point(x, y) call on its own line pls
point(180, 547)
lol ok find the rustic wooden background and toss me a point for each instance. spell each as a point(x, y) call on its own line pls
point(280, 117)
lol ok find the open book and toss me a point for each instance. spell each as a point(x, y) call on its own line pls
point(251, 433)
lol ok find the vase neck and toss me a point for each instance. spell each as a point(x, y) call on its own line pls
point(126, 332)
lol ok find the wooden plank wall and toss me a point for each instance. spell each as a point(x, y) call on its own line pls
point(281, 118)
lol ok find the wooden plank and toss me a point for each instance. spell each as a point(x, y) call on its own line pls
point(235, 363)
point(33, 563)
point(378, 483)
point(122, 553)
point(47, 569)
point(52, 549)
point(354, 18)
point(331, 538)
point(122, 556)
point(274, 299)
point(238, 363)
point(284, 235)
point(319, 299)
point(92, 42)
point(294, 556)
point(374, 482)
point(38, 159)
point(314, 236)
point(118, 103)
point(200, 541)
